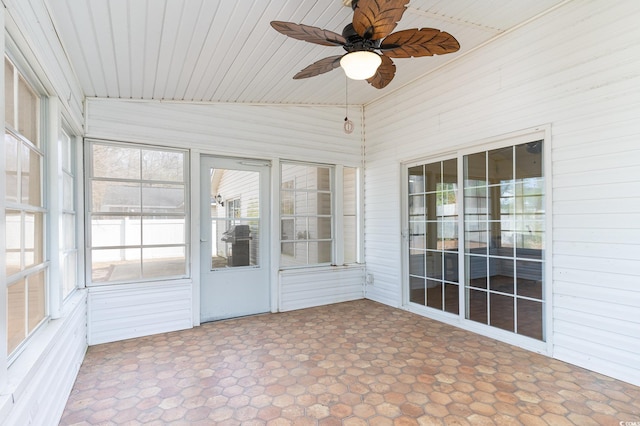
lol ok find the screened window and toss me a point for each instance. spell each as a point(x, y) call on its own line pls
point(350, 214)
point(68, 217)
point(306, 225)
point(137, 220)
point(26, 267)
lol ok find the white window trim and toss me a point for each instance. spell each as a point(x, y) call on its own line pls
point(87, 222)
point(334, 211)
point(337, 213)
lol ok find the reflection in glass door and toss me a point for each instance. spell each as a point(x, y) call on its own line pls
point(235, 218)
point(433, 235)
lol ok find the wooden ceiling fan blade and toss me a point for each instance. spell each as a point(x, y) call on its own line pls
point(419, 42)
point(320, 67)
point(375, 19)
point(309, 33)
point(384, 75)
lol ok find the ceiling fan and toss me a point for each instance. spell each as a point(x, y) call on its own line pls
point(368, 40)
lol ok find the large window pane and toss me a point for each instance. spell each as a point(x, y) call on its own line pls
point(416, 180)
point(115, 161)
point(16, 312)
point(433, 177)
point(113, 265)
point(28, 107)
point(417, 262)
point(306, 215)
point(529, 160)
point(115, 231)
point(163, 262)
point(9, 99)
point(68, 192)
point(33, 239)
point(162, 166)
point(500, 168)
point(434, 294)
point(530, 318)
point(13, 241)
point(37, 301)
point(417, 290)
point(502, 311)
point(69, 271)
point(138, 217)
point(529, 279)
point(157, 230)
point(350, 211)
point(475, 170)
point(163, 198)
point(30, 177)
point(11, 145)
point(116, 196)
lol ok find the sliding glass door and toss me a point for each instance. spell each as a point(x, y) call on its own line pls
point(500, 211)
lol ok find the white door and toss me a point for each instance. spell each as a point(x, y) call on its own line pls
point(234, 238)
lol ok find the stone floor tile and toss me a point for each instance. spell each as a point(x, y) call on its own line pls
point(355, 363)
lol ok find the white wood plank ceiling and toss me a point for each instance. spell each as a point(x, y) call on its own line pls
point(226, 51)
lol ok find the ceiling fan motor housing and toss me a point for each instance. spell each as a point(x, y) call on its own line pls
point(356, 43)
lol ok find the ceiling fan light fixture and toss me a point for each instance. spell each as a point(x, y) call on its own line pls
point(360, 65)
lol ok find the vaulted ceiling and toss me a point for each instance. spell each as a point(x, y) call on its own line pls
point(226, 51)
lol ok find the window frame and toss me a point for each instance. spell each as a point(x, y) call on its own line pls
point(295, 215)
point(512, 139)
point(337, 215)
point(73, 211)
point(22, 74)
point(88, 213)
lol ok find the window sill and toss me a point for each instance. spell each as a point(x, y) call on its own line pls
point(313, 269)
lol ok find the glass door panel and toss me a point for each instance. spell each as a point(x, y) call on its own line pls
point(504, 235)
point(433, 236)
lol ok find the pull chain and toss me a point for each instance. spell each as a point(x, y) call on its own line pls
point(348, 124)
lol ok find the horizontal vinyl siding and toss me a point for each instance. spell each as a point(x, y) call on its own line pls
point(307, 288)
point(382, 227)
point(125, 311)
point(40, 398)
point(576, 68)
point(304, 133)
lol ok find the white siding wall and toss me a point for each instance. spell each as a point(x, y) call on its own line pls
point(302, 288)
point(41, 399)
point(576, 68)
point(301, 133)
point(126, 311)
